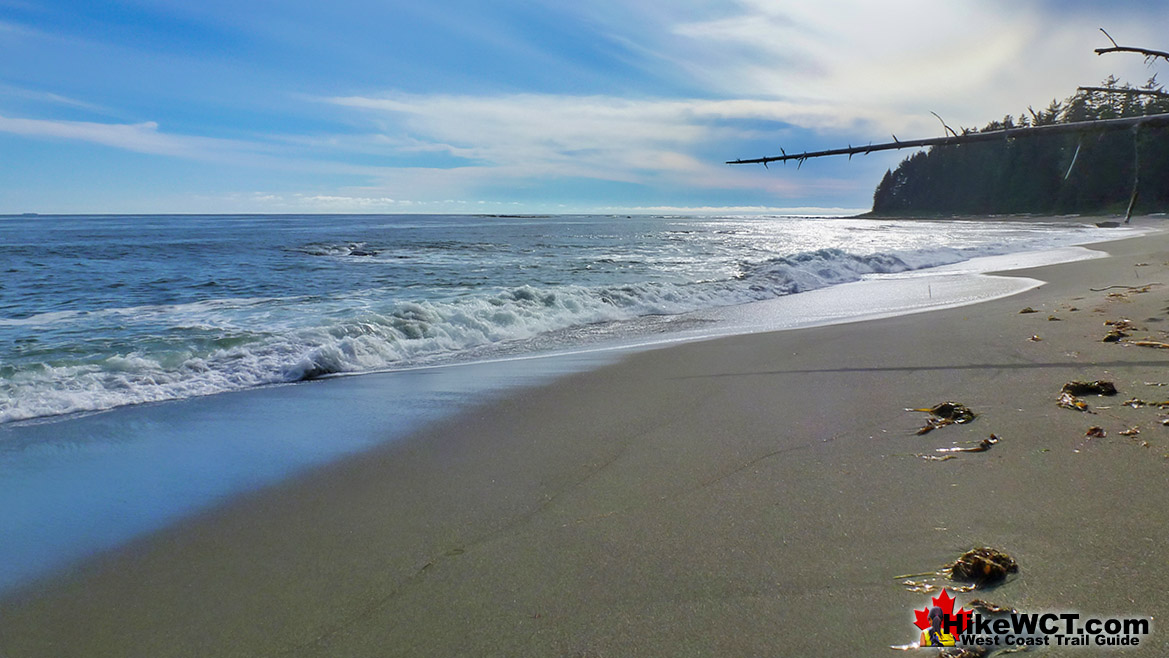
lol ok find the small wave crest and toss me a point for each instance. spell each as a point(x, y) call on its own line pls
point(811, 270)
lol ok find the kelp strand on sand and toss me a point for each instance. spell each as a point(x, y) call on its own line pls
point(949, 453)
point(945, 413)
point(1159, 344)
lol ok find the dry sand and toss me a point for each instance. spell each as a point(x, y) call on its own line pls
point(753, 495)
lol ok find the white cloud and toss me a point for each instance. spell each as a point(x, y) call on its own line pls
point(528, 137)
point(502, 142)
point(516, 129)
point(146, 137)
point(49, 97)
point(139, 137)
point(884, 66)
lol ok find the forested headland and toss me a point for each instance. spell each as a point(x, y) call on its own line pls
point(1088, 173)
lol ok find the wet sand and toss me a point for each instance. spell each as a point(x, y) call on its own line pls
point(752, 495)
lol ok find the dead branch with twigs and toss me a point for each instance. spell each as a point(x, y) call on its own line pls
point(946, 127)
point(1150, 55)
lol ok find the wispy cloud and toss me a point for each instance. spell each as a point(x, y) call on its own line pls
point(546, 136)
point(492, 141)
point(51, 98)
point(147, 137)
point(142, 137)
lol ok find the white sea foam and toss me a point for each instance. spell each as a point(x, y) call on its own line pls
point(193, 309)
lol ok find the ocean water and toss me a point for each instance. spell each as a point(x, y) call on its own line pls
point(154, 367)
point(98, 312)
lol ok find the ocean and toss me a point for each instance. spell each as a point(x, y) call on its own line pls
point(152, 367)
point(99, 312)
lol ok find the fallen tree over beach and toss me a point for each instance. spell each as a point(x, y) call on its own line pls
point(971, 136)
point(1027, 165)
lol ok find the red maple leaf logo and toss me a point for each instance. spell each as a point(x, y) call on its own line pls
point(946, 603)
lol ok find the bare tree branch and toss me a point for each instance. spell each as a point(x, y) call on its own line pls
point(1116, 48)
point(1151, 120)
point(948, 128)
point(1150, 54)
point(1110, 37)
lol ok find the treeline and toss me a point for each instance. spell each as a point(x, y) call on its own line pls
point(1031, 175)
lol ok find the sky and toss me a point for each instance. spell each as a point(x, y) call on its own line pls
point(515, 106)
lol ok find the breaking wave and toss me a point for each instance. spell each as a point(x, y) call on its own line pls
point(190, 363)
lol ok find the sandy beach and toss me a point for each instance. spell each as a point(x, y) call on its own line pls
point(755, 495)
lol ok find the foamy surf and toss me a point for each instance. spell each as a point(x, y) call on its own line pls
point(327, 307)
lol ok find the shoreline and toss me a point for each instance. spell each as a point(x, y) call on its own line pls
point(747, 494)
point(569, 317)
point(182, 458)
point(81, 484)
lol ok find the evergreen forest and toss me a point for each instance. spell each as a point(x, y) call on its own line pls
point(1088, 172)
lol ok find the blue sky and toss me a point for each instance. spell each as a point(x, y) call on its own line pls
point(512, 105)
